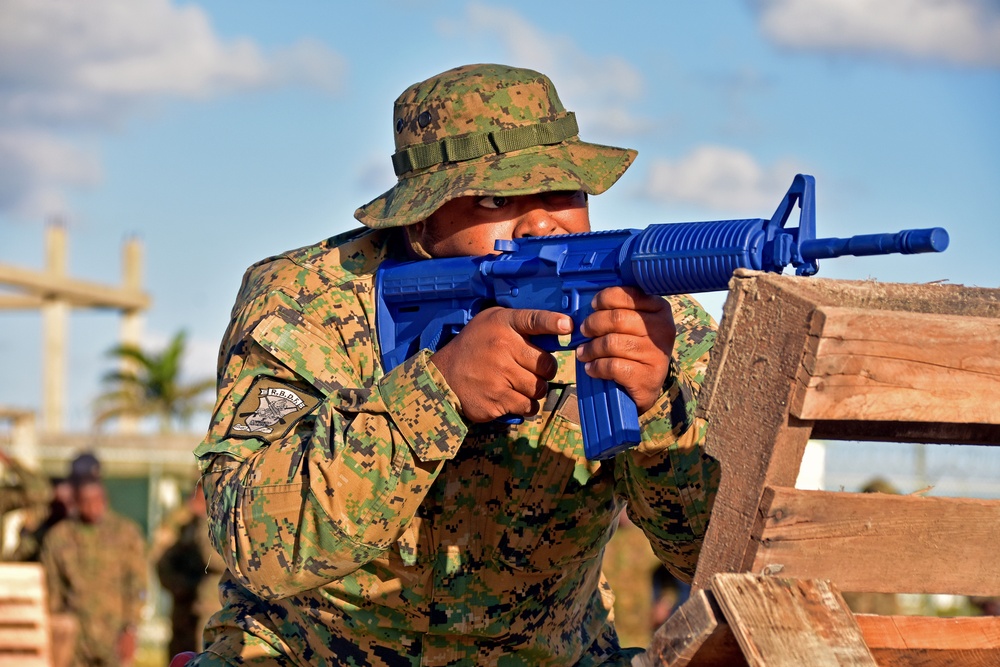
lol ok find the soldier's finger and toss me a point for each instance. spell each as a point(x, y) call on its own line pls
point(530, 386)
point(620, 370)
point(623, 346)
point(631, 298)
point(515, 402)
point(530, 322)
point(539, 363)
point(603, 322)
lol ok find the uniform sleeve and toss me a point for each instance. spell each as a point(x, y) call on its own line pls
point(55, 581)
point(669, 481)
point(315, 462)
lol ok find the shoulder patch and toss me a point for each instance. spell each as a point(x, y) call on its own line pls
point(270, 408)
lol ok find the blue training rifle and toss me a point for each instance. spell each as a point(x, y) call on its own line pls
point(423, 304)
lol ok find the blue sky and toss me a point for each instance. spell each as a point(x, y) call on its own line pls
point(220, 132)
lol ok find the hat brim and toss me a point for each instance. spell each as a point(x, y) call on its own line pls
point(570, 165)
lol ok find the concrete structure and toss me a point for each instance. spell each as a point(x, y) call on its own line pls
point(53, 293)
point(161, 464)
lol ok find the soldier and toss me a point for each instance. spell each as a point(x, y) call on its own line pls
point(95, 566)
point(25, 495)
point(373, 518)
point(61, 506)
point(189, 569)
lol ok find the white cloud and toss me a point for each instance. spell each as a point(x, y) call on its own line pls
point(34, 170)
point(88, 66)
point(959, 32)
point(720, 178)
point(598, 89)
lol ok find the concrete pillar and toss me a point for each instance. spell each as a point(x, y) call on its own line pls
point(55, 323)
point(131, 325)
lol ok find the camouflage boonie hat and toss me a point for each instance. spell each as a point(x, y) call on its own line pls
point(486, 130)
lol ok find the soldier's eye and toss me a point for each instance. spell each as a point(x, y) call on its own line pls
point(493, 202)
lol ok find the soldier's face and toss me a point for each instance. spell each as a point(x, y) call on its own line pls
point(468, 226)
point(91, 502)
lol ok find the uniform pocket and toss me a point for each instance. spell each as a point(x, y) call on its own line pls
point(315, 358)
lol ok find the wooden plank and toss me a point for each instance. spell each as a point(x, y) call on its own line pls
point(949, 433)
point(24, 638)
point(900, 366)
point(747, 388)
point(930, 298)
point(19, 612)
point(930, 632)
point(29, 660)
point(24, 660)
point(923, 641)
point(24, 581)
point(695, 635)
point(881, 543)
point(782, 622)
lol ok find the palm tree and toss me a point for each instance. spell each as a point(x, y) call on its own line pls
point(148, 384)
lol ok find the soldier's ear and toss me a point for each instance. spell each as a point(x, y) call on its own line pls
point(414, 236)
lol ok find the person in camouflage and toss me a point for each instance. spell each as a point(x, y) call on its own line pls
point(25, 494)
point(373, 518)
point(95, 567)
point(189, 569)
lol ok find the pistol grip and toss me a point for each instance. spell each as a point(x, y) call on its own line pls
point(608, 416)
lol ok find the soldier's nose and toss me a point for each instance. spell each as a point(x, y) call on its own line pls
point(536, 222)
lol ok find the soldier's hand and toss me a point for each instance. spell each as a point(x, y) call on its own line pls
point(493, 368)
point(633, 337)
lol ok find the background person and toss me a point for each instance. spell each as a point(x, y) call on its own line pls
point(95, 566)
point(189, 569)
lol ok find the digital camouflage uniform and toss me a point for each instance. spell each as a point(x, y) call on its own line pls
point(97, 572)
point(365, 522)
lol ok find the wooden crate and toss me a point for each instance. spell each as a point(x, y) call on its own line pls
point(24, 619)
point(802, 358)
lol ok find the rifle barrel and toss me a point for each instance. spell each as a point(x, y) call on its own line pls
point(906, 242)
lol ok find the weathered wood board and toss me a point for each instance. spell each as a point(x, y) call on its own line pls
point(695, 635)
point(874, 542)
point(922, 641)
point(782, 622)
point(698, 635)
point(897, 366)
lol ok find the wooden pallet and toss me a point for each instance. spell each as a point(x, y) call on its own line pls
point(802, 358)
point(24, 618)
